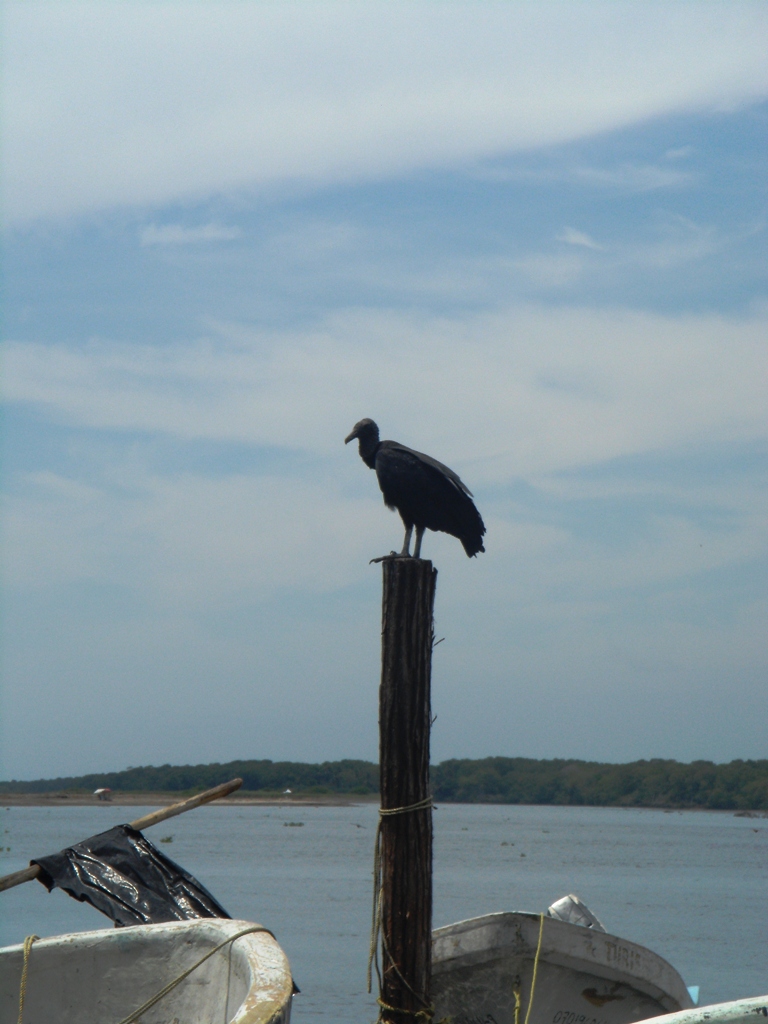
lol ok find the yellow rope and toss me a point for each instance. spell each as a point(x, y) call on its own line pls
point(422, 805)
point(535, 968)
point(425, 1014)
point(25, 965)
point(376, 930)
point(172, 985)
point(516, 994)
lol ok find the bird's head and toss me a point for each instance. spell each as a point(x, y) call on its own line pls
point(367, 434)
point(366, 431)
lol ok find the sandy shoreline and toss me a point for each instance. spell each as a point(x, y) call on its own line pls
point(164, 799)
point(334, 800)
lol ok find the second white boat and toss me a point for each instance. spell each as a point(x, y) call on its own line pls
point(511, 968)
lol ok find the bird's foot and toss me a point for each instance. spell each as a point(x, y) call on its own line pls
point(389, 557)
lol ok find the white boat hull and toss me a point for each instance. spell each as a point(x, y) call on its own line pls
point(584, 976)
point(100, 977)
point(740, 1011)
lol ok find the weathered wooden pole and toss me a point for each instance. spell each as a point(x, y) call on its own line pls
point(405, 718)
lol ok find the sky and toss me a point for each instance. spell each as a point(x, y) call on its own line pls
point(526, 238)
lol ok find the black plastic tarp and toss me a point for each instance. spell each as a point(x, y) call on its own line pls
point(121, 874)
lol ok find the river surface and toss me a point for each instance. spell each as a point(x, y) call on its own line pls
point(691, 886)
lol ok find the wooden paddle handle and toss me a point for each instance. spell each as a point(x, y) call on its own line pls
point(8, 881)
point(27, 874)
point(187, 805)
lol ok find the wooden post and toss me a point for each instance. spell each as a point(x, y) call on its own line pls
point(406, 839)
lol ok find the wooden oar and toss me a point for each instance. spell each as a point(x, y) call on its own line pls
point(9, 881)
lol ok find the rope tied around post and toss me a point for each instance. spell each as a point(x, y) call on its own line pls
point(376, 930)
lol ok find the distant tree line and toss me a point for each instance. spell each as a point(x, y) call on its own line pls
point(739, 785)
point(351, 777)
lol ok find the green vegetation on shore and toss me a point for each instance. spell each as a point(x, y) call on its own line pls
point(739, 785)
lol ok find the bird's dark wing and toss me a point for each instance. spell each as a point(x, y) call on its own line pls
point(448, 473)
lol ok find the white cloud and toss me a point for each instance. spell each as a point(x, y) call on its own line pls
point(147, 103)
point(239, 533)
point(177, 234)
point(623, 177)
point(631, 177)
point(189, 542)
point(573, 237)
point(529, 390)
point(679, 153)
point(675, 242)
point(315, 240)
point(678, 241)
point(546, 270)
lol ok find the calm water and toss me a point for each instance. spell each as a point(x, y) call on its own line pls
point(691, 886)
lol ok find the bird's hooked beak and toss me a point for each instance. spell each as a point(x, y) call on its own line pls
point(351, 437)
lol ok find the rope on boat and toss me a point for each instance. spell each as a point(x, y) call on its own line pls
point(426, 1014)
point(428, 1011)
point(155, 998)
point(24, 967)
point(177, 981)
point(535, 967)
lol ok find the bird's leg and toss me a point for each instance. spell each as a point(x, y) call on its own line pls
point(419, 535)
point(406, 552)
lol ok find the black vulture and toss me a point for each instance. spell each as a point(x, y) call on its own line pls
point(426, 493)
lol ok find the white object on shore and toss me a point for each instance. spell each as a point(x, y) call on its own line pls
point(583, 975)
point(740, 1011)
point(101, 977)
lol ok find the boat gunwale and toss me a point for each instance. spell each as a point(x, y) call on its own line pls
point(257, 1006)
point(731, 1012)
